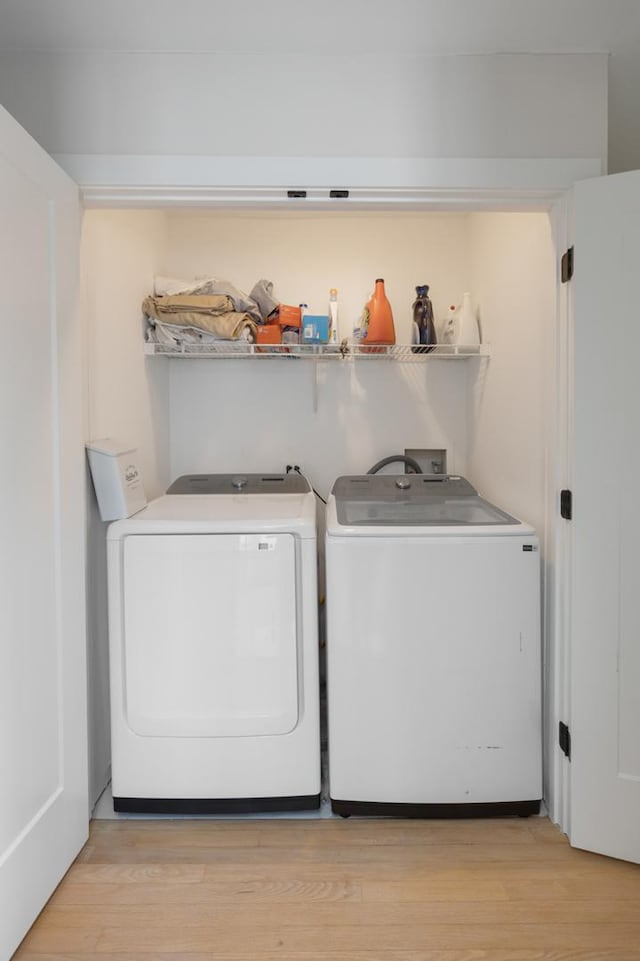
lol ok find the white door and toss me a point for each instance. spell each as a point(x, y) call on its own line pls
point(605, 604)
point(43, 754)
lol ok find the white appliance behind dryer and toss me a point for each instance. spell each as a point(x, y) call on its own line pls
point(214, 648)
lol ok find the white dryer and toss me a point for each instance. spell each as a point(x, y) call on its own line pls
point(433, 651)
point(214, 648)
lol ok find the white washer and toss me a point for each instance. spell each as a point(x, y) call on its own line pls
point(214, 648)
point(433, 651)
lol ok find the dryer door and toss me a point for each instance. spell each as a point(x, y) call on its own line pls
point(210, 634)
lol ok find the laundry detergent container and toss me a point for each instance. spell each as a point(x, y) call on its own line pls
point(117, 478)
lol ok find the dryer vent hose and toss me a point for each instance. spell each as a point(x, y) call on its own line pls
point(400, 458)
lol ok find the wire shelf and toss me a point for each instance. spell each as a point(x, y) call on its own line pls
point(400, 353)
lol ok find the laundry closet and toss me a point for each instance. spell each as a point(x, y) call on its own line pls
point(328, 414)
point(523, 419)
point(504, 416)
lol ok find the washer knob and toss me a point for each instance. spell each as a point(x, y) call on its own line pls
point(238, 482)
point(403, 483)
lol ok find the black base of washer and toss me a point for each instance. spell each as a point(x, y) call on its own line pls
point(401, 810)
point(256, 805)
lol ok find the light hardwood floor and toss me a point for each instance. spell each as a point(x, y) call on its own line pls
point(330, 890)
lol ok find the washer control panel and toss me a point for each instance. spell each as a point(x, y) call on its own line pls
point(389, 487)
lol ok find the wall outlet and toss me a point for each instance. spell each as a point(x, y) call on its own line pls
point(431, 460)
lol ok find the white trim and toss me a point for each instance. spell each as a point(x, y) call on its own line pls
point(558, 574)
point(56, 475)
point(373, 182)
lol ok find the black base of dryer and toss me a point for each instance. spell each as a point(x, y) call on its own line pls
point(191, 806)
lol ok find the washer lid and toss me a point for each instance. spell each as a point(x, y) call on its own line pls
point(292, 483)
point(413, 500)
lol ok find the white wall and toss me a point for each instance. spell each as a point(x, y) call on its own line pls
point(128, 400)
point(277, 103)
point(511, 410)
point(624, 118)
point(304, 255)
point(258, 415)
point(513, 288)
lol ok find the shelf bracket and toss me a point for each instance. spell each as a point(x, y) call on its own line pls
point(315, 385)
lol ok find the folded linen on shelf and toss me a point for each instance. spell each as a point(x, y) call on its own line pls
point(171, 336)
point(210, 314)
point(209, 286)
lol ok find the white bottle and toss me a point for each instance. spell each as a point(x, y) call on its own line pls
point(450, 331)
point(333, 316)
point(468, 332)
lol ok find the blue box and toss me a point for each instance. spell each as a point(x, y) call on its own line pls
point(315, 329)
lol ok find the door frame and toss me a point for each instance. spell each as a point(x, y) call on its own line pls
point(558, 575)
point(403, 184)
point(504, 194)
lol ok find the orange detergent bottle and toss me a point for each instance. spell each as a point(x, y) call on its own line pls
point(380, 328)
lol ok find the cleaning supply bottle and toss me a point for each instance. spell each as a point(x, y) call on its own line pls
point(424, 331)
point(380, 328)
point(468, 331)
point(360, 327)
point(450, 332)
point(333, 316)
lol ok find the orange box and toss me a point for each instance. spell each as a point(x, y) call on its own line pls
point(268, 334)
point(289, 316)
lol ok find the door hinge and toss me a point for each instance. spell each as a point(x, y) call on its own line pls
point(566, 266)
point(564, 739)
point(566, 505)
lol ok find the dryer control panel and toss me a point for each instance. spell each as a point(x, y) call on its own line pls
point(291, 483)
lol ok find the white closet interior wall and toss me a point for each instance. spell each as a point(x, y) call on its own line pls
point(128, 399)
point(259, 416)
point(513, 283)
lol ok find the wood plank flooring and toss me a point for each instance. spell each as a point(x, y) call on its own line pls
point(330, 890)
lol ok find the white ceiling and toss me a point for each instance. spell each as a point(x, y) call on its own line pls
point(434, 26)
